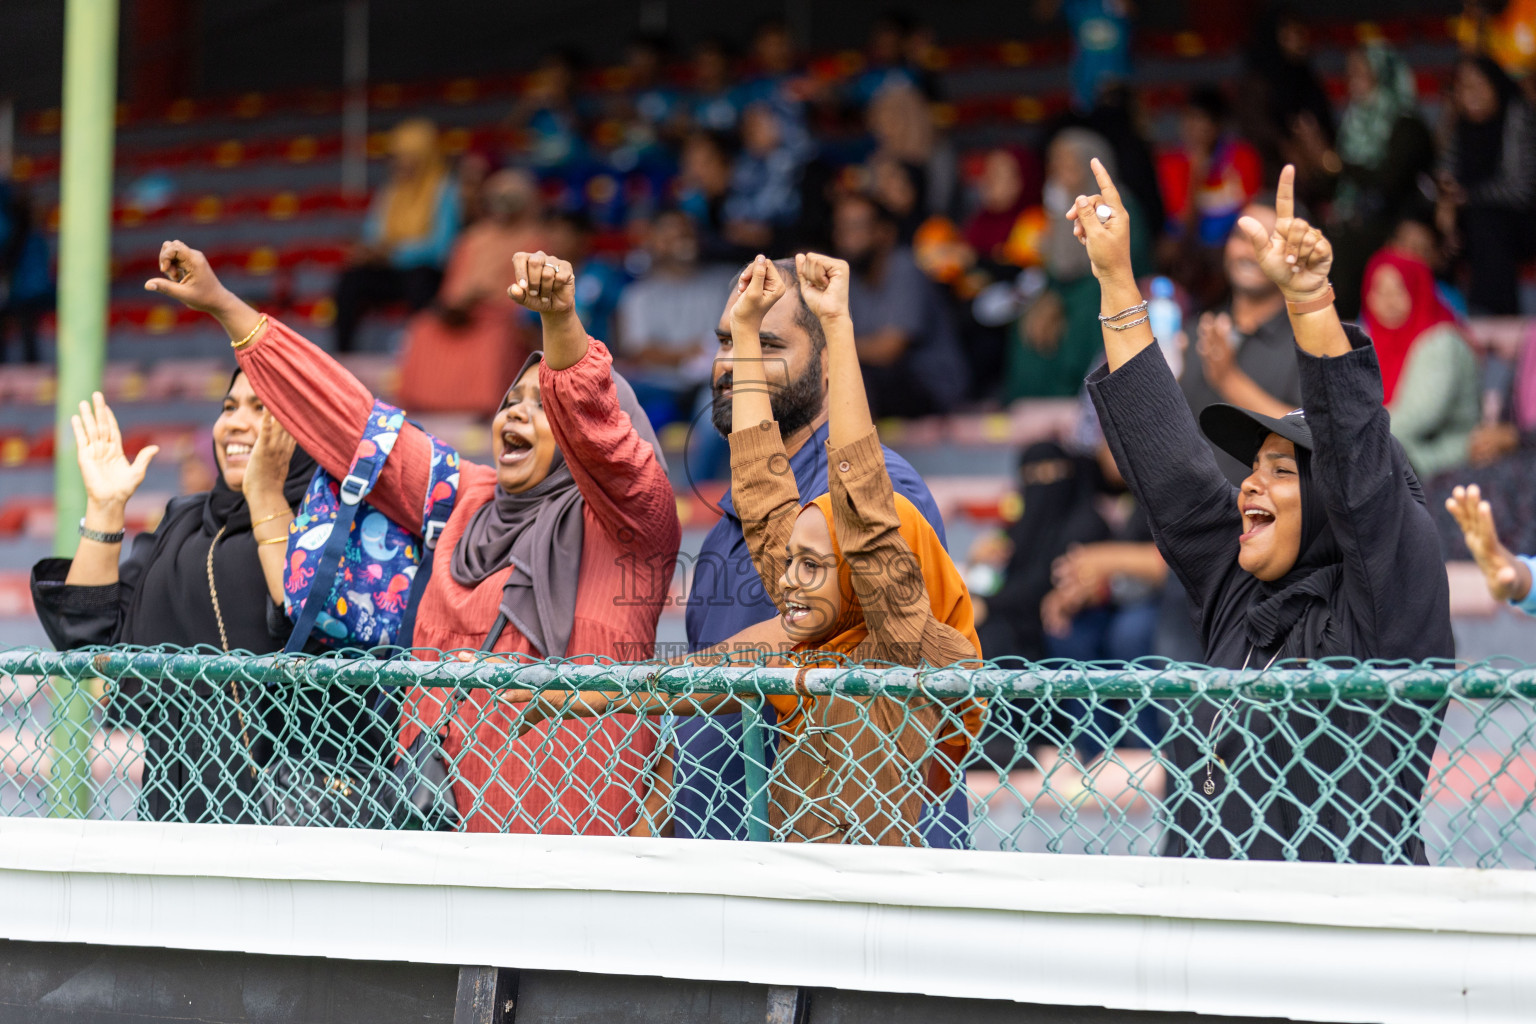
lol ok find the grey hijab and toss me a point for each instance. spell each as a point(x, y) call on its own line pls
point(1065, 257)
point(539, 533)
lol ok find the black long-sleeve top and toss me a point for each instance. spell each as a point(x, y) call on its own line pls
point(1391, 602)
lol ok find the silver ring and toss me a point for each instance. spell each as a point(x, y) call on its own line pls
point(1103, 211)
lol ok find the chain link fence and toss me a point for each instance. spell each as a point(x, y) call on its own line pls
point(1346, 762)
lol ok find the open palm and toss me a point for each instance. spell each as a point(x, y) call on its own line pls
point(109, 477)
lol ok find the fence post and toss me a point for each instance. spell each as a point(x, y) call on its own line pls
point(85, 219)
point(754, 757)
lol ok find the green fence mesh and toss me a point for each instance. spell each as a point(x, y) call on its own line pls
point(1349, 762)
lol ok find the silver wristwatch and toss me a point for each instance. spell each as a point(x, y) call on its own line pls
point(99, 537)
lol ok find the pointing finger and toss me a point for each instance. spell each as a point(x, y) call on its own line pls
point(1106, 184)
point(1285, 193)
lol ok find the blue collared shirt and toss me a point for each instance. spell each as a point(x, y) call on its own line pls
point(1528, 605)
point(727, 597)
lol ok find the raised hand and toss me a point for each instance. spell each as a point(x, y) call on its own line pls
point(1214, 345)
point(757, 289)
point(189, 279)
point(543, 283)
point(110, 479)
point(1295, 255)
point(267, 470)
point(1109, 240)
point(823, 284)
point(1506, 576)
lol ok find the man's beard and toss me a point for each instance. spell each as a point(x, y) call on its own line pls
point(795, 406)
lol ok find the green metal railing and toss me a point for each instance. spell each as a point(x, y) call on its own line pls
point(1348, 762)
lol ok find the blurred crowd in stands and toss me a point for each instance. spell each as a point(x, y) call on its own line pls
point(970, 292)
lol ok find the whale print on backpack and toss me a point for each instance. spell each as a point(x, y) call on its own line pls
point(367, 569)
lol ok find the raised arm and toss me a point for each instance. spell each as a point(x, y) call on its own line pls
point(887, 576)
point(763, 487)
point(1146, 421)
point(314, 397)
point(1507, 575)
point(1127, 329)
point(1389, 542)
point(110, 480)
point(623, 482)
point(1297, 258)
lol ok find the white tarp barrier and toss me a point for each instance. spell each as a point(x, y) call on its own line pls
point(1305, 941)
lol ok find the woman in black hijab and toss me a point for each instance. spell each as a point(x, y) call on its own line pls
point(211, 574)
point(1335, 556)
point(1488, 182)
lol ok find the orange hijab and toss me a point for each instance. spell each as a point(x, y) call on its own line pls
point(947, 593)
point(949, 598)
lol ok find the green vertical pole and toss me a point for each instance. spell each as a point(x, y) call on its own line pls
point(753, 755)
point(85, 224)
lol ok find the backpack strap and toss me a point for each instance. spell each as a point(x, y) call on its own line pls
point(379, 436)
point(442, 494)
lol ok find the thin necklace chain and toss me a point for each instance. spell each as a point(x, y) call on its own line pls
point(218, 615)
point(1210, 737)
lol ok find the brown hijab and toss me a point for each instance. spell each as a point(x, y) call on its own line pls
point(539, 532)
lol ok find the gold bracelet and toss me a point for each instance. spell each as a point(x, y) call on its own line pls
point(274, 515)
point(273, 540)
point(238, 345)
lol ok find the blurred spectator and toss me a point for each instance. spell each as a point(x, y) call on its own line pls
point(898, 187)
point(1417, 235)
point(1118, 118)
point(665, 340)
point(26, 278)
point(472, 323)
point(885, 60)
point(599, 283)
point(1009, 185)
point(551, 115)
point(763, 203)
point(1487, 180)
point(1383, 149)
point(906, 338)
point(1212, 175)
point(703, 185)
point(1243, 352)
point(712, 104)
point(1101, 43)
point(1058, 337)
point(1429, 375)
point(1058, 492)
point(1280, 90)
point(1105, 605)
point(902, 126)
point(774, 77)
point(406, 237)
point(655, 102)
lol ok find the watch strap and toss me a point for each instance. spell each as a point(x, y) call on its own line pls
point(99, 537)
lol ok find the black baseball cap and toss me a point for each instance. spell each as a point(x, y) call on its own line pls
point(1241, 433)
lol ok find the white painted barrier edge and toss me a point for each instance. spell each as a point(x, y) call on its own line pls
point(1308, 942)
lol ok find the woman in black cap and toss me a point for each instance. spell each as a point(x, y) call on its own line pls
point(1326, 551)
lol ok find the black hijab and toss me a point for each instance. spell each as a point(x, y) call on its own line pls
point(1301, 595)
point(1480, 144)
point(1057, 515)
point(172, 602)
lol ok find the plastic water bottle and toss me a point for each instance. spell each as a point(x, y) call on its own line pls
point(1166, 318)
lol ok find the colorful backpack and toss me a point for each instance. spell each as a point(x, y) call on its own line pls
point(354, 576)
